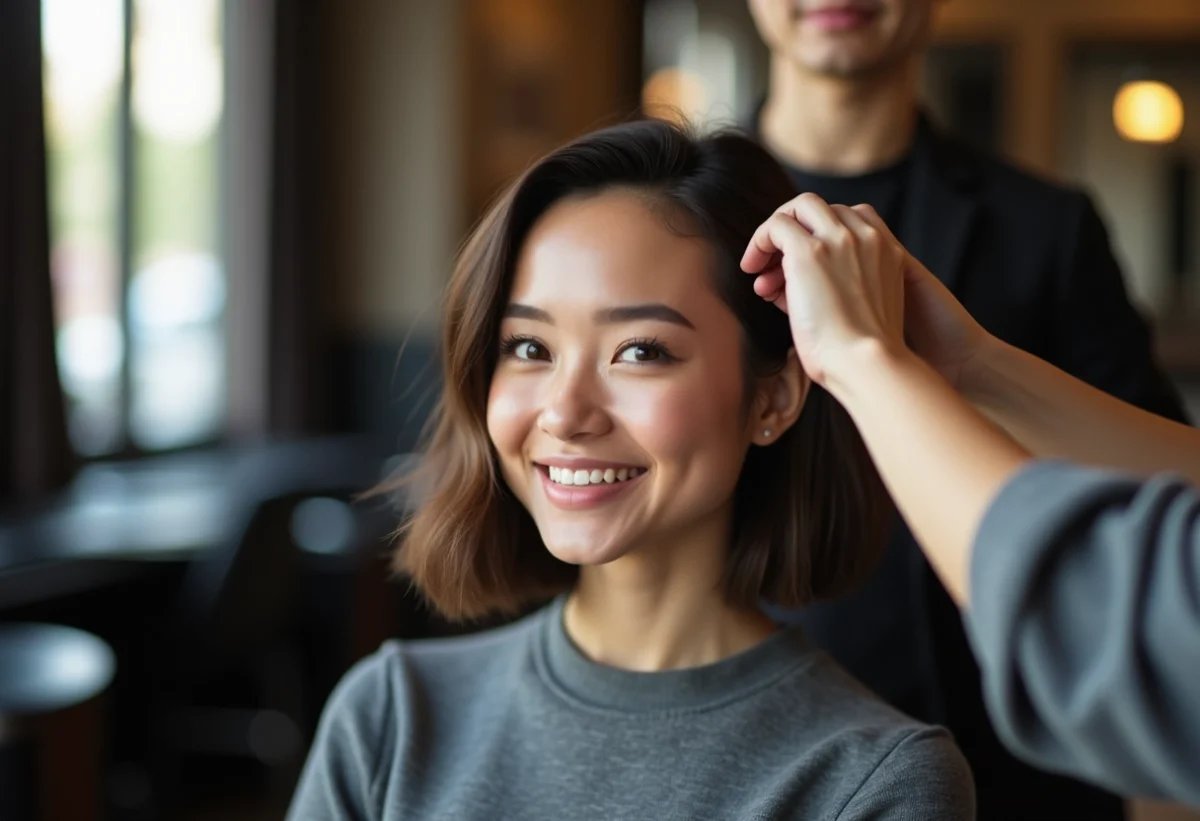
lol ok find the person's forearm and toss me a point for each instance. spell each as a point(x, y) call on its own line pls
point(942, 461)
point(1054, 415)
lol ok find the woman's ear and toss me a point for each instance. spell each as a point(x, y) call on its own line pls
point(780, 400)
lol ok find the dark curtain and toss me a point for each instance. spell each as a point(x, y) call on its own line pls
point(35, 452)
point(298, 295)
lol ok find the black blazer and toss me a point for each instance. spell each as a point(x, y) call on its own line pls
point(1031, 261)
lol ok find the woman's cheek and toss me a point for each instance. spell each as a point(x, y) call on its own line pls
point(511, 414)
point(671, 417)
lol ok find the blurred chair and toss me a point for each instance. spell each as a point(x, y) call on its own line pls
point(233, 685)
point(52, 733)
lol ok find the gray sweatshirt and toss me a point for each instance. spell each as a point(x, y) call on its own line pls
point(517, 723)
point(1085, 616)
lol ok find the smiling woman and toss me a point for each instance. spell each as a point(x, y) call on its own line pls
point(626, 426)
point(598, 319)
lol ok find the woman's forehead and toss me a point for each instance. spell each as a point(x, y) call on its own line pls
point(611, 248)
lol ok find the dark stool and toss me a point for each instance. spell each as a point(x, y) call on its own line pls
point(51, 723)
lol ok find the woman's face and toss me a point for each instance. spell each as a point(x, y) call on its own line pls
point(617, 406)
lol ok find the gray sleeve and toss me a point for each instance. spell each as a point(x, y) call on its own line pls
point(1085, 617)
point(923, 778)
point(341, 777)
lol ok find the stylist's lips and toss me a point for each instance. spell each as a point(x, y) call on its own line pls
point(577, 484)
point(836, 17)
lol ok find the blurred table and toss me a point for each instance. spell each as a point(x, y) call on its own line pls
point(117, 520)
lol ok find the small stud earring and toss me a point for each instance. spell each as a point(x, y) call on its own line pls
point(767, 432)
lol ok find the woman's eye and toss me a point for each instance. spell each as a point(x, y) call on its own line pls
point(640, 353)
point(529, 349)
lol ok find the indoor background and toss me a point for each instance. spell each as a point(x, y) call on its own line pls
point(224, 227)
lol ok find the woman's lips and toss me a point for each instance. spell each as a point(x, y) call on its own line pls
point(584, 496)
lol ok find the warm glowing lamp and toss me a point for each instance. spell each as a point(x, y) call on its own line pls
point(1148, 111)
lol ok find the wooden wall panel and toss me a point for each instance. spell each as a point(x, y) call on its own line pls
point(537, 73)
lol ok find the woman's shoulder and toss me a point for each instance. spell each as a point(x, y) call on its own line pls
point(900, 762)
point(843, 702)
point(437, 669)
point(921, 774)
point(405, 690)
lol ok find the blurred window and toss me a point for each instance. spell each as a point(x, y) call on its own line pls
point(696, 64)
point(134, 110)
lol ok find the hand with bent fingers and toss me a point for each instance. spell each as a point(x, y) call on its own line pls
point(847, 279)
point(836, 275)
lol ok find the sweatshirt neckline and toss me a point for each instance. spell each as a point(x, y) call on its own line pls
point(602, 686)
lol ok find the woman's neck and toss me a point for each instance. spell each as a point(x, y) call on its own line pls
point(661, 610)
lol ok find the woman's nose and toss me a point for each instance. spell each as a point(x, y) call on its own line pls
point(574, 406)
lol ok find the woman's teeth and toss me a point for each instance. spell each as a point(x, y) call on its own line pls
point(565, 476)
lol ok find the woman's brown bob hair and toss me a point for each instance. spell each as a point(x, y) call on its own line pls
point(811, 514)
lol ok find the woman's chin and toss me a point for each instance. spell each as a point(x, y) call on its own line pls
point(585, 543)
point(588, 554)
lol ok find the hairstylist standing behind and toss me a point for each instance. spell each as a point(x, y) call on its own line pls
point(1081, 586)
point(1029, 258)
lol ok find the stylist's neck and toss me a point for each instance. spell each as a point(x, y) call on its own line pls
point(836, 125)
point(659, 612)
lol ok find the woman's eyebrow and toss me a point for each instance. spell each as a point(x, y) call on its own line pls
point(606, 316)
point(515, 310)
point(649, 310)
